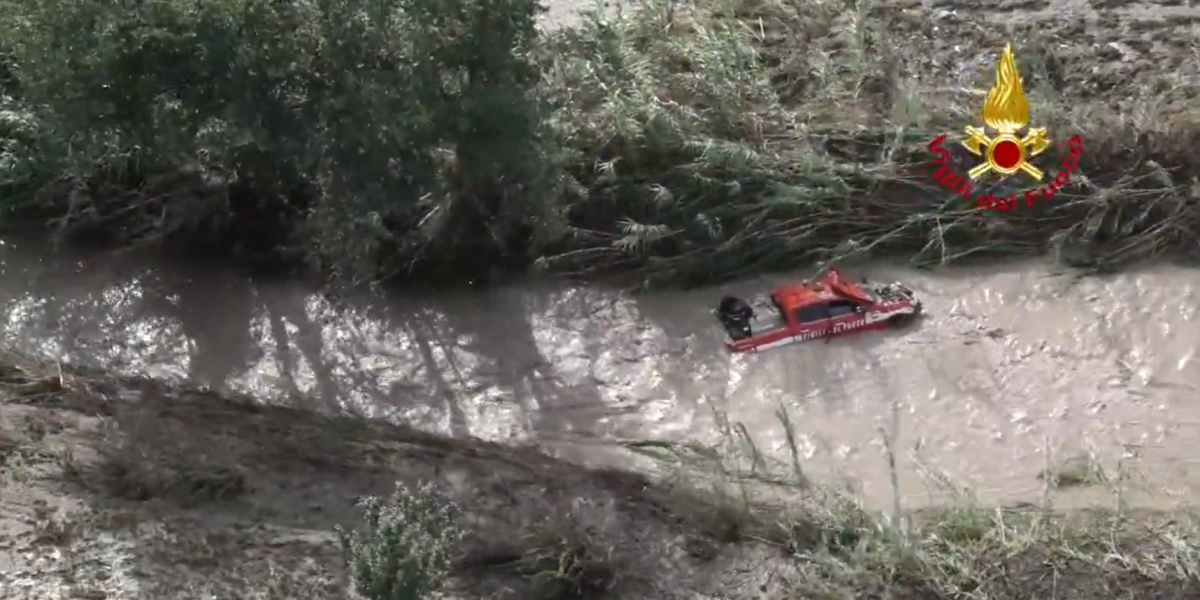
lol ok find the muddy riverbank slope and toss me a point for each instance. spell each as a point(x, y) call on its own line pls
point(800, 136)
point(1013, 367)
point(123, 488)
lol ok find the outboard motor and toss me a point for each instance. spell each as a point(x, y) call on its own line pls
point(890, 292)
point(735, 315)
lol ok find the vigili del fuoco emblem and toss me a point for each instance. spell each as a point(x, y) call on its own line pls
point(1008, 142)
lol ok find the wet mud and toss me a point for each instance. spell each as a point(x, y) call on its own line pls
point(1014, 371)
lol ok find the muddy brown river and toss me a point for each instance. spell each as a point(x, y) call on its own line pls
point(1012, 364)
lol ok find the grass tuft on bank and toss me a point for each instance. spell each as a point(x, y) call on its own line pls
point(320, 514)
point(674, 142)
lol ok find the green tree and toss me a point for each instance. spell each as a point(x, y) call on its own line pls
point(377, 134)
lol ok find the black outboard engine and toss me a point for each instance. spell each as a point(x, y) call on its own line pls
point(735, 315)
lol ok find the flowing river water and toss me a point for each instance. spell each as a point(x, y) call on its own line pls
point(1014, 367)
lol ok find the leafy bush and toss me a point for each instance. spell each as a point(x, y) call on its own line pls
point(404, 552)
point(371, 134)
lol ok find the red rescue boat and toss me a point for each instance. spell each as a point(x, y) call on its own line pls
point(826, 307)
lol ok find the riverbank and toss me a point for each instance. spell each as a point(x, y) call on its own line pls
point(675, 144)
point(125, 488)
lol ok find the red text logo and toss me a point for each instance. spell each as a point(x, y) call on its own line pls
point(961, 184)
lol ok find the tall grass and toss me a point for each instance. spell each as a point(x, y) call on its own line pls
point(843, 549)
point(760, 134)
point(679, 142)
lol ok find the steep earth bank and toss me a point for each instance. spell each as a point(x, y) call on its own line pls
point(1014, 369)
point(119, 488)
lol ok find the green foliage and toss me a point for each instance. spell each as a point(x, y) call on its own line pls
point(379, 129)
point(404, 551)
point(679, 137)
point(679, 142)
point(753, 134)
point(457, 158)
